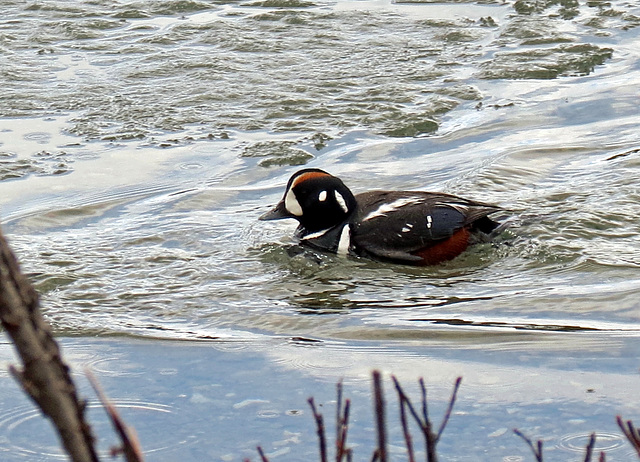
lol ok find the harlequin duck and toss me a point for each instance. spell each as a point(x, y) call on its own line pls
point(410, 227)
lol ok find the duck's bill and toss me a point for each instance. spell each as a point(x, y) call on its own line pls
point(276, 213)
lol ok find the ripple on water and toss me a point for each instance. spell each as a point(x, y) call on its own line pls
point(576, 442)
point(105, 365)
point(316, 360)
point(18, 426)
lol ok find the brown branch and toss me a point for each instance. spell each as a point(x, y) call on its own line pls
point(423, 397)
point(427, 427)
point(424, 426)
point(423, 421)
point(344, 451)
point(447, 414)
point(342, 425)
point(631, 432)
point(321, 432)
point(405, 431)
point(589, 449)
point(44, 377)
point(536, 449)
point(130, 444)
point(381, 451)
point(263, 456)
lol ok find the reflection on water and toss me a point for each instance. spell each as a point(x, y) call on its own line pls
point(190, 401)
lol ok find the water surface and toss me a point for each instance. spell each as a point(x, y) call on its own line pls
point(139, 142)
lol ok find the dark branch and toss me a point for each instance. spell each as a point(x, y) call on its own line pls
point(431, 439)
point(589, 449)
point(405, 431)
point(536, 449)
point(45, 377)
point(342, 425)
point(631, 432)
point(447, 414)
point(380, 417)
point(321, 432)
point(130, 445)
point(263, 457)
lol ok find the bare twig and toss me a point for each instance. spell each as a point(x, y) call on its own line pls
point(45, 377)
point(321, 432)
point(338, 419)
point(130, 444)
point(447, 414)
point(342, 425)
point(431, 438)
point(381, 430)
point(425, 410)
point(536, 449)
point(263, 456)
point(589, 449)
point(427, 427)
point(632, 433)
point(405, 431)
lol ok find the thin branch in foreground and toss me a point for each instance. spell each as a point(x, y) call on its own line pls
point(631, 432)
point(263, 456)
point(45, 377)
point(447, 414)
point(342, 426)
point(338, 418)
point(381, 430)
point(589, 449)
point(321, 431)
point(130, 444)
point(536, 449)
point(423, 421)
point(405, 431)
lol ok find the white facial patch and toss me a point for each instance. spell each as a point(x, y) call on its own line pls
point(322, 196)
point(345, 240)
point(341, 202)
point(291, 204)
point(429, 221)
point(384, 209)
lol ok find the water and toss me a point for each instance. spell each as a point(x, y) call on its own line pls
point(139, 142)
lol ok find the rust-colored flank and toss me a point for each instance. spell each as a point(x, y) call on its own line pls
point(446, 250)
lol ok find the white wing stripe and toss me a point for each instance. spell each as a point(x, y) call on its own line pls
point(384, 209)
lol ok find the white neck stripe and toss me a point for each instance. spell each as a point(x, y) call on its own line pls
point(345, 240)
